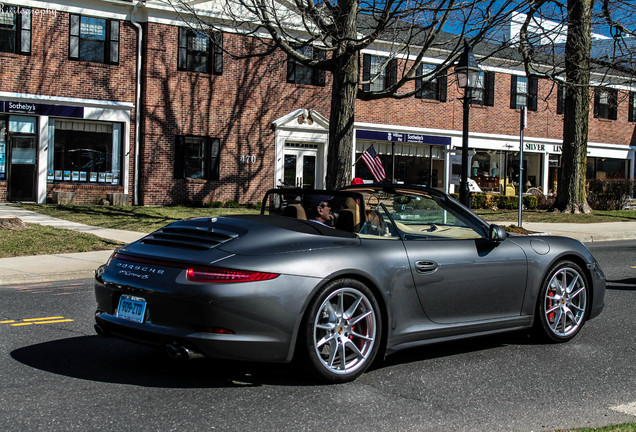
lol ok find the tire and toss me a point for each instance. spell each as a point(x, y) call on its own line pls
point(562, 303)
point(343, 328)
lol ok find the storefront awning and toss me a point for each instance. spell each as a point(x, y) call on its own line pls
point(403, 137)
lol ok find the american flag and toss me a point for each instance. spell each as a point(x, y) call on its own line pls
point(373, 162)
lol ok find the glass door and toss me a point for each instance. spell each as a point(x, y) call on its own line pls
point(300, 169)
point(22, 168)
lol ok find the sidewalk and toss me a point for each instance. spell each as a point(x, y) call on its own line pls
point(59, 267)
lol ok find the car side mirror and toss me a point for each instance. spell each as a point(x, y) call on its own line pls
point(497, 233)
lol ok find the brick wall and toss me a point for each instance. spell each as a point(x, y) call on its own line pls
point(48, 71)
point(238, 107)
point(497, 119)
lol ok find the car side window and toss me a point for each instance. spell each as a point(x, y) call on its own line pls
point(378, 225)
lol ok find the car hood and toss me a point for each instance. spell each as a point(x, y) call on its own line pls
point(208, 240)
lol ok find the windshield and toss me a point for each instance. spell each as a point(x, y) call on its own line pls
point(416, 215)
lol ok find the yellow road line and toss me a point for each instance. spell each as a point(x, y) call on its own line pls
point(53, 321)
point(31, 321)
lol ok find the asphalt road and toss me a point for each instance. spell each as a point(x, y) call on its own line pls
point(55, 375)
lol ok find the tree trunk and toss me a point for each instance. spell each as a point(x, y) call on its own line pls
point(341, 120)
point(571, 196)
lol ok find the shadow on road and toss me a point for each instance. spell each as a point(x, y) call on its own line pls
point(114, 361)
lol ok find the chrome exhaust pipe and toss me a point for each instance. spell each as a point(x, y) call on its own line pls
point(188, 354)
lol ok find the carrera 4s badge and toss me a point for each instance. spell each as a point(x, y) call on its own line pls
point(138, 271)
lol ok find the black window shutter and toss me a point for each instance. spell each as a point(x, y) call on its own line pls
point(74, 33)
point(218, 54)
point(391, 73)
point(24, 32)
point(597, 101)
point(182, 61)
point(179, 163)
point(613, 105)
point(113, 42)
point(418, 82)
point(442, 85)
point(318, 76)
point(213, 150)
point(366, 71)
point(513, 92)
point(489, 90)
point(291, 69)
point(630, 111)
point(560, 98)
point(533, 93)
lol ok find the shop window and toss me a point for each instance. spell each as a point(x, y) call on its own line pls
point(605, 103)
point(298, 73)
point(381, 70)
point(484, 92)
point(200, 53)
point(196, 158)
point(523, 92)
point(606, 168)
point(15, 29)
point(93, 39)
point(430, 86)
point(85, 152)
point(631, 114)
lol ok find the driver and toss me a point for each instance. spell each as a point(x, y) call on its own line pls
point(319, 210)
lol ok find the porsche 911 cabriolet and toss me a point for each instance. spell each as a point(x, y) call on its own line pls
point(341, 278)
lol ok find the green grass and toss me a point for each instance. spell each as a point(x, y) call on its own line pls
point(40, 240)
point(141, 219)
point(628, 427)
point(544, 216)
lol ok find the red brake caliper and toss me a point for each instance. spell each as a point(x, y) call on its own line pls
point(549, 306)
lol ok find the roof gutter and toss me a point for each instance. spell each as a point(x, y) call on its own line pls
point(137, 100)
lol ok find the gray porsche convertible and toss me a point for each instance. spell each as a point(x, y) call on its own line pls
point(340, 278)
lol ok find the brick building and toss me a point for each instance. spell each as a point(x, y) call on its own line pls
point(118, 99)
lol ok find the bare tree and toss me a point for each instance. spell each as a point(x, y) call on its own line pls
point(405, 29)
point(612, 63)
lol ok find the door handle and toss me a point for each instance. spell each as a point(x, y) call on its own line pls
point(425, 266)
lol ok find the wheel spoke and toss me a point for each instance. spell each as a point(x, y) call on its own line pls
point(553, 309)
point(352, 309)
point(557, 319)
point(340, 310)
point(359, 318)
point(582, 289)
point(355, 349)
point(334, 351)
point(343, 356)
point(360, 336)
point(571, 285)
point(324, 340)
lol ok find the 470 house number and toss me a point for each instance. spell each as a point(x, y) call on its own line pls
point(248, 159)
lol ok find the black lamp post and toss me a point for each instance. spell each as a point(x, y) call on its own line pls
point(467, 72)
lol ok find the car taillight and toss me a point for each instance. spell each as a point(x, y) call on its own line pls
point(222, 275)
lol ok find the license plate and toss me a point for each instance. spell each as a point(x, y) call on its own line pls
point(131, 308)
